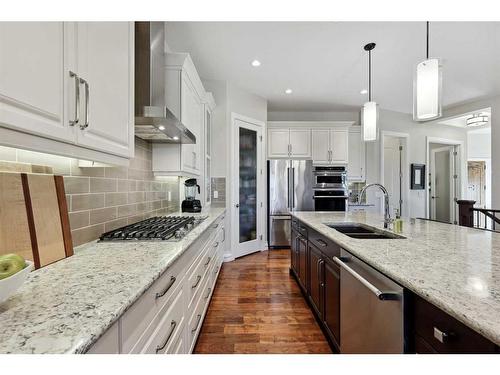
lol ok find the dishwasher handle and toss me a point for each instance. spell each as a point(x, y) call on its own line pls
point(383, 296)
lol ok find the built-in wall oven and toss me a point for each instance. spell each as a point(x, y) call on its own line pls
point(330, 200)
point(330, 189)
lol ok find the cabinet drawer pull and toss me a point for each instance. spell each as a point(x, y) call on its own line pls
point(162, 293)
point(321, 242)
point(216, 244)
point(198, 278)
point(173, 324)
point(441, 336)
point(208, 261)
point(208, 293)
point(77, 98)
point(216, 225)
point(198, 319)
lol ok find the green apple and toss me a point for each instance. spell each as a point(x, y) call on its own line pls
point(9, 267)
point(17, 258)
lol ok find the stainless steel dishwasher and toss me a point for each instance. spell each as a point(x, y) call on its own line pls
point(371, 309)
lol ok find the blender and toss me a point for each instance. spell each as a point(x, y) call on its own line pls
point(190, 203)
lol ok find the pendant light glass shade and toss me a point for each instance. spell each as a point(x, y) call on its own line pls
point(369, 120)
point(427, 90)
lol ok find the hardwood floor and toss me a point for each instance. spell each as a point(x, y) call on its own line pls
point(257, 307)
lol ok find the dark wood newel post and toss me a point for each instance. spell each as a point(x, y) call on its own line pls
point(465, 213)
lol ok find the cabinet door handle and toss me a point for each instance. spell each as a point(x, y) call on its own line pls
point(198, 319)
point(321, 242)
point(216, 244)
point(173, 324)
point(223, 234)
point(217, 225)
point(198, 278)
point(87, 99)
point(170, 284)
point(77, 99)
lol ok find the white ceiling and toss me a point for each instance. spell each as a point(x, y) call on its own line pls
point(325, 65)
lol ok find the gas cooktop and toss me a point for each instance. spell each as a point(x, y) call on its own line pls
point(160, 228)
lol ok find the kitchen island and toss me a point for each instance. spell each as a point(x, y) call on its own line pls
point(67, 306)
point(456, 269)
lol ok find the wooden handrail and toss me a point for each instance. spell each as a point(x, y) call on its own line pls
point(466, 212)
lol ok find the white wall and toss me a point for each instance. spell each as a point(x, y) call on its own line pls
point(479, 145)
point(494, 104)
point(403, 123)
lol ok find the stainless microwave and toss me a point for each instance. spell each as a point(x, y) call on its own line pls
point(329, 177)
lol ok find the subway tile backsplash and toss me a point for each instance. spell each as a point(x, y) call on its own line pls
point(105, 198)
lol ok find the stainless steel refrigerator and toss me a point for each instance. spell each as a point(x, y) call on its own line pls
point(289, 189)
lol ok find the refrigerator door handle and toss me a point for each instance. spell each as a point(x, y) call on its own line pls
point(293, 187)
point(288, 187)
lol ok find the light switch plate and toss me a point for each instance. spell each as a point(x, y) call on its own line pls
point(169, 196)
point(216, 194)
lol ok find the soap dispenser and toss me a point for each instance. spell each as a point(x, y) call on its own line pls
point(398, 222)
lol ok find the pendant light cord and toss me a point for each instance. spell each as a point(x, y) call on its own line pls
point(427, 51)
point(370, 76)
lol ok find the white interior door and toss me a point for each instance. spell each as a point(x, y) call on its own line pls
point(248, 188)
point(442, 184)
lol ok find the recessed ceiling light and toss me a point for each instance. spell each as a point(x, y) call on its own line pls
point(288, 91)
point(161, 127)
point(364, 92)
point(175, 138)
point(256, 63)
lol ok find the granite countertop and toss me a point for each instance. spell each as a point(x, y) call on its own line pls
point(455, 268)
point(66, 306)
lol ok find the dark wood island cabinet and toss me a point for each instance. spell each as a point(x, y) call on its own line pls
point(427, 328)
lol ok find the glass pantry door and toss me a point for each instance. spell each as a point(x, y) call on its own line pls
point(248, 188)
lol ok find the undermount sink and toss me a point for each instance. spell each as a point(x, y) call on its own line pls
point(362, 231)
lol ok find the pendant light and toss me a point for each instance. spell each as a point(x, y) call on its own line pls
point(427, 87)
point(370, 108)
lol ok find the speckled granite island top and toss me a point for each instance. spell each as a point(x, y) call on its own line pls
point(453, 267)
point(66, 306)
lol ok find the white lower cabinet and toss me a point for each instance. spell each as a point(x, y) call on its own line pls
point(167, 318)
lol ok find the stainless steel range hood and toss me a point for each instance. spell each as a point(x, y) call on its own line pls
point(154, 122)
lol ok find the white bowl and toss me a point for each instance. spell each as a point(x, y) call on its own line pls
point(12, 283)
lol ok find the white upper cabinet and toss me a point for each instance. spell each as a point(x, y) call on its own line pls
point(356, 166)
point(185, 97)
point(105, 58)
point(289, 143)
point(192, 118)
point(33, 74)
point(321, 146)
point(278, 143)
point(300, 143)
point(330, 145)
point(338, 146)
point(68, 88)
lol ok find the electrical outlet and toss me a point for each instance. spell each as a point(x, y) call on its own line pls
point(169, 196)
point(216, 194)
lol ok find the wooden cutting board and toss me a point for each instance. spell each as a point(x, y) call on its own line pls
point(34, 218)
